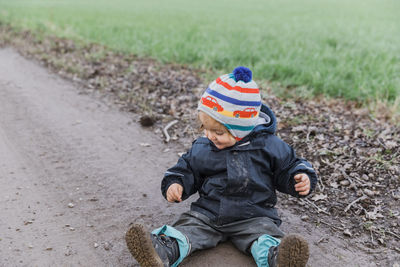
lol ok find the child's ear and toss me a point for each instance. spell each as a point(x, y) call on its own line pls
point(200, 125)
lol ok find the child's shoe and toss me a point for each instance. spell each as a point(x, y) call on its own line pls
point(291, 252)
point(151, 250)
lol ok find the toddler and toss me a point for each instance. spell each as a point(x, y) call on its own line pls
point(236, 169)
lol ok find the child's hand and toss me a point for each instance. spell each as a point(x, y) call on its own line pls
point(302, 184)
point(174, 193)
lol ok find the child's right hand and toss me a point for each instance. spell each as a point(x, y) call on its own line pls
point(174, 193)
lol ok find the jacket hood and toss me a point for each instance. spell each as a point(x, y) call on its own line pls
point(267, 121)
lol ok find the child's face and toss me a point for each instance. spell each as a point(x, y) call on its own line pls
point(216, 132)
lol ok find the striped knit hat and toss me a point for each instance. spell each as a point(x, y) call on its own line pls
point(233, 100)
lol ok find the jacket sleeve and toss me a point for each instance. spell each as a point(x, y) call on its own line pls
point(183, 174)
point(287, 165)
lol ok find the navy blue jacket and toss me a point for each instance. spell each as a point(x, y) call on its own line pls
point(239, 182)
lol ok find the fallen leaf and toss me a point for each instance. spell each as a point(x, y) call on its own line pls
point(318, 197)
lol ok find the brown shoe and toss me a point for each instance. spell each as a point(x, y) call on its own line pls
point(292, 252)
point(141, 247)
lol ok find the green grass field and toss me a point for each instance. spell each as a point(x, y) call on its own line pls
point(339, 48)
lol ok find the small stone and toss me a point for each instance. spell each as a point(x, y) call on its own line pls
point(68, 252)
point(67, 225)
point(347, 232)
point(30, 246)
point(107, 246)
point(72, 229)
point(96, 245)
point(334, 185)
point(365, 177)
point(344, 182)
point(369, 193)
point(71, 205)
point(145, 144)
point(301, 128)
point(304, 218)
point(49, 248)
point(396, 195)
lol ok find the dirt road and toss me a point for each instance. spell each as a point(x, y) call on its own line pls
point(75, 171)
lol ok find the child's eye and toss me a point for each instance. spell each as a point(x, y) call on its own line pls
point(219, 133)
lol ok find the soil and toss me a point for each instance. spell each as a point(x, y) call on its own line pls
point(77, 167)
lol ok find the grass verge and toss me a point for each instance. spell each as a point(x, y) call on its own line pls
point(336, 48)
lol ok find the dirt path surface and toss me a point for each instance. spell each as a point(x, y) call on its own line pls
point(75, 171)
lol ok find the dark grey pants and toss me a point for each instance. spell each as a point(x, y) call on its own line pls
point(203, 234)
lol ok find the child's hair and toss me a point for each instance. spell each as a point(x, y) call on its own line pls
point(201, 126)
point(233, 100)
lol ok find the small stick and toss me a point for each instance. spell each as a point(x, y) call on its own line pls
point(354, 202)
point(186, 128)
point(169, 125)
point(331, 225)
point(382, 144)
point(393, 234)
point(318, 208)
point(321, 185)
point(372, 236)
point(385, 231)
point(308, 136)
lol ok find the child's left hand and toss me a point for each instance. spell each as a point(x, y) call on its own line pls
point(302, 184)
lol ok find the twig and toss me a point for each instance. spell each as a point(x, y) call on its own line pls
point(323, 239)
point(372, 236)
point(384, 232)
point(318, 208)
point(327, 162)
point(331, 225)
point(308, 136)
point(189, 129)
point(354, 202)
point(393, 234)
point(346, 176)
point(169, 125)
point(380, 142)
point(321, 185)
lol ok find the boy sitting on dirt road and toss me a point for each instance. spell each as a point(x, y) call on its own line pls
point(236, 169)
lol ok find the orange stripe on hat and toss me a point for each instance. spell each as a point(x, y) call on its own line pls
point(237, 88)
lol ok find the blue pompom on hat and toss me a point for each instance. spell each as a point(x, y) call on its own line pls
point(242, 74)
point(233, 100)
